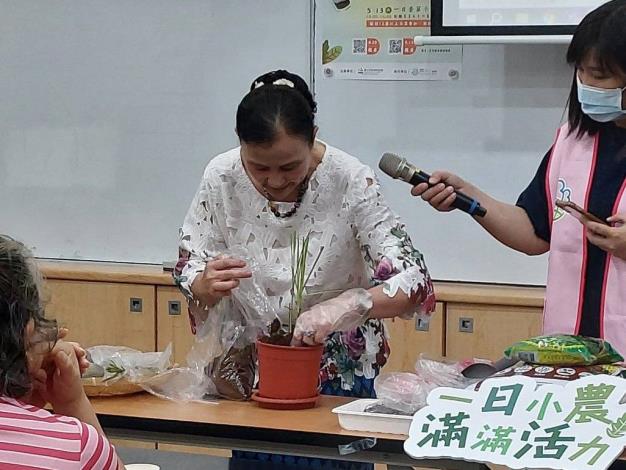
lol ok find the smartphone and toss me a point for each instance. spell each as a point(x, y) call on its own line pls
point(341, 4)
point(581, 214)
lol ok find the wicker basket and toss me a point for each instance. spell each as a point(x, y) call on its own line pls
point(96, 387)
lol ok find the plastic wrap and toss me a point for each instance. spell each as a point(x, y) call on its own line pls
point(442, 374)
point(406, 392)
point(180, 383)
point(233, 372)
point(357, 446)
point(341, 313)
point(117, 370)
point(222, 360)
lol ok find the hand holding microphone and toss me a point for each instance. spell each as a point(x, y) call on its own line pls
point(441, 190)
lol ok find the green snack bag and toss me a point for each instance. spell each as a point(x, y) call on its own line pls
point(564, 350)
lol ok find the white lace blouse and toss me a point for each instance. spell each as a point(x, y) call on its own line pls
point(342, 209)
point(363, 241)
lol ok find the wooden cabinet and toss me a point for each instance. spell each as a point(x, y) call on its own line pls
point(409, 338)
point(173, 323)
point(485, 331)
point(104, 312)
point(138, 306)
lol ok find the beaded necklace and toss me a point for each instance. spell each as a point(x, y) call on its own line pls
point(283, 215)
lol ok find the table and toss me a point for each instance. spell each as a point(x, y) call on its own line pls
point(245, 426)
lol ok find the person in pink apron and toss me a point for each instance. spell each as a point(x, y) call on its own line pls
point(586, 288)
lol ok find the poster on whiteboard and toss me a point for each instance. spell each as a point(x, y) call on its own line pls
point(373, 40)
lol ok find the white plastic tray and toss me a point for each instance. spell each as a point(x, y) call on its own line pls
point(352, 417)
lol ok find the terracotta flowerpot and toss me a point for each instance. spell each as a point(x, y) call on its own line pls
point(288, 376)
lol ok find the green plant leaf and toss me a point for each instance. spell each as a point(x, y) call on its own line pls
point(334, 53)
point(329, 54)
point(299, 275)
point(115, 370)
point(617, 429)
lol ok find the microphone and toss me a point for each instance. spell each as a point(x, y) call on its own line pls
point(399, 168)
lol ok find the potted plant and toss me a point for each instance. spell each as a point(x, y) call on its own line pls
point(289, 375)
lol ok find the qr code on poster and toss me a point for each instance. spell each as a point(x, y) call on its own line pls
point(359, 46)
point(395, 46)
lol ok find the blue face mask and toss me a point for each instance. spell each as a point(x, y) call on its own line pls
point(601, 104)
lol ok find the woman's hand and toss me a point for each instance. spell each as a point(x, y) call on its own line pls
point(611, 239)
point(58, 381)
point(507, 223)
point(219, 278)
point(81, 354)
point(442, 192)
point(344, 312)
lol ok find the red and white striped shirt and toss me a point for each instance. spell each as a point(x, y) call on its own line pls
point(32, 438)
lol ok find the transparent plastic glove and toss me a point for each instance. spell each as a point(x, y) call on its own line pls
point(346, 311)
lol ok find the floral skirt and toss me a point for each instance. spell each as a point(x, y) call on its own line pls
point(362, 388)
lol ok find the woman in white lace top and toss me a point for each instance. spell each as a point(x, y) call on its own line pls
point(283, 180)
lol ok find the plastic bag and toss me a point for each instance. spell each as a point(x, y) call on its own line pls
point(244, 318)
point(564, 350)
point(180, 383)
point(118, 370)
point(222, 357)
point(234, 372)
point(442, 374)
point(222, 360)
point(407, 392)
point(402, 391)
point(251, 304)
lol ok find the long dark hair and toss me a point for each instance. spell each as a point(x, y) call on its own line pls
point(20, 302)
point(603, 34)
point(269, 107)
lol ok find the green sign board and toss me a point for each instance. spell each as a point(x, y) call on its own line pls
point(512, 422)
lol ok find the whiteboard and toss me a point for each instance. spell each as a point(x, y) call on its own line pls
point(492, 126)
point(110, 109)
